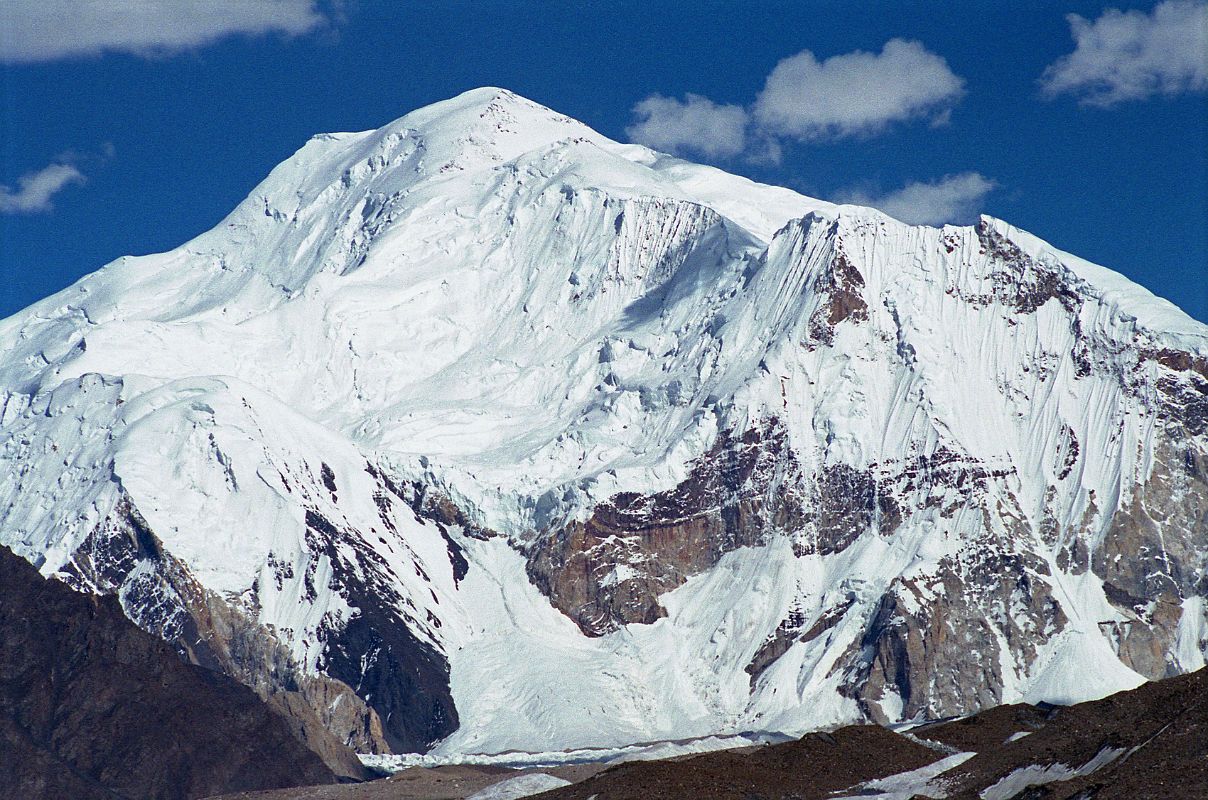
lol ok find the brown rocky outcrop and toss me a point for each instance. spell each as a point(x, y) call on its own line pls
point(404, 680)
point(791, 630)
point(1154, 555)
point(1148, 744)
point(934, 643)
point(1020, 281)
point(1183, 387)
point(1143, 744)
point(610, 569)
point(815, 766)
point(839, 286)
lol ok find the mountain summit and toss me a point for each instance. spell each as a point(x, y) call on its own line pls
point(482, 432)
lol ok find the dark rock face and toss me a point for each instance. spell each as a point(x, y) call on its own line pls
point(932, 641)
point(1152, 556)
point(847, 503)
point(401, 700)
point(404, 680)
point(1184, 388)
point(1019, 281)
point(162, 598)
point(925, 480)
point(610, 570)
point(95, 707)
point(431, 505)
point(839, 286)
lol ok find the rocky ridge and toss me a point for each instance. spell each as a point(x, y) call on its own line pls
point(95, 708)
point(1142, 743)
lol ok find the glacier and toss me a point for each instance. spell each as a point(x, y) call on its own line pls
point(481, 432)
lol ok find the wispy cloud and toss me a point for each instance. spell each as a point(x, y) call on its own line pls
point(694, 124)
point(47, 30)
point(36, 189)
point(952, 199)
point(853, 94)
point(1132, 55)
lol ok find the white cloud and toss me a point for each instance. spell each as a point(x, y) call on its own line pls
point(855, 93)
point(45, 30)
point(694, 124)
point(36, 189)
point(1131, 55)
point(952, 199)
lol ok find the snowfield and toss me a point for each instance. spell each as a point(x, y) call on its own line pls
point(494, 303)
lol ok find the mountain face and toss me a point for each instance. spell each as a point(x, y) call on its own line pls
point(483, 432)
point(93, 707)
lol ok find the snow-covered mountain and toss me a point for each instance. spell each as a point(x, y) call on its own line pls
point(482, 432)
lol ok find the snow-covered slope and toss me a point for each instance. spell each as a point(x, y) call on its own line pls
point(483, 430)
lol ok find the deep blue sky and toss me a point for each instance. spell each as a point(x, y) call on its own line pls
point(191, 133)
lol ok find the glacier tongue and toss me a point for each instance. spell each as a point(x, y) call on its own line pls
point(484, 432)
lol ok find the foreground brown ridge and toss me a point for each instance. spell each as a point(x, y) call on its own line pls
point(92, 708)
point(1150, 743)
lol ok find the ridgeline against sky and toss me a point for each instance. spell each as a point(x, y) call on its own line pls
point(130, 131)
